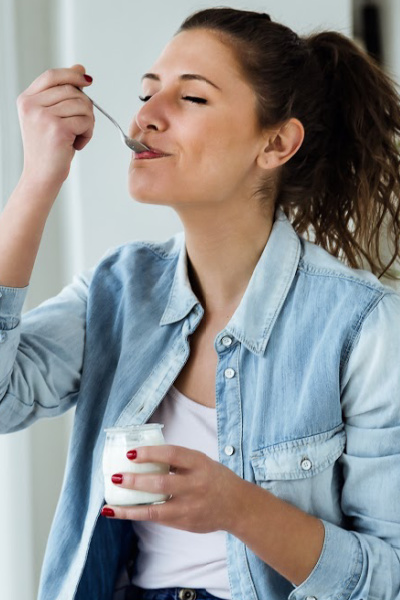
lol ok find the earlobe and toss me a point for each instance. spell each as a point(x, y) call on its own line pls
point(281, 145)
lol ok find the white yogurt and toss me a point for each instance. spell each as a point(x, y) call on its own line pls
point(118, 441)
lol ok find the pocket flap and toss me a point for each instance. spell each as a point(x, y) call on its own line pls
point(300, 458)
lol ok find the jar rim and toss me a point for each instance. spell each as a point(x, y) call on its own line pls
point(134, 428)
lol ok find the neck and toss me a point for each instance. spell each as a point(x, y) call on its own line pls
point(224, 246)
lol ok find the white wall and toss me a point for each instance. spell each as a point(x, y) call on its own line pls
point(16, 531)
point(32, 461)
point(390, 27)
point(116, 42)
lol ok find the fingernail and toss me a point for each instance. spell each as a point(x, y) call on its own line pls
point(117, 478)
point(88, 78)
point(132, 454)
point(107, 512)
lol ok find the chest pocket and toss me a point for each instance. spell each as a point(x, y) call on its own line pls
point(304, 472)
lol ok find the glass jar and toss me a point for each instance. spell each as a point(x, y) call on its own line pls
point(118, 441)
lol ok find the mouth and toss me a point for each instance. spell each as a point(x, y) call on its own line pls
point(150, 153)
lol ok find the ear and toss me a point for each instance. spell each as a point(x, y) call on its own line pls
point(281, 144)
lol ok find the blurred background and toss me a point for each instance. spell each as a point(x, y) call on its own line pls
point(117, 42)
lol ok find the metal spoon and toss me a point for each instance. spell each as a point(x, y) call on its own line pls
point(131, 143)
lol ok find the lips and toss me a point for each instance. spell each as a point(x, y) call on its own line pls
point(151, 153)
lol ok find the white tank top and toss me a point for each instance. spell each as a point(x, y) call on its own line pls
point(170, 557)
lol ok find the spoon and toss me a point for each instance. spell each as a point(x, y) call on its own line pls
point(131, 143)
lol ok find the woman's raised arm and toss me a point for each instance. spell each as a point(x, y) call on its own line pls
point(56, 120)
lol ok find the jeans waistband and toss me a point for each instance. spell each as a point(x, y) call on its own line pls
point(177, 593)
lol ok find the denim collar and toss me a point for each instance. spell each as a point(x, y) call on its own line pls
point(265, 294)
point(181, 299)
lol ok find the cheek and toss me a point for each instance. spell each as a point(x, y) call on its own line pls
point(225, 158)
point(212, 158)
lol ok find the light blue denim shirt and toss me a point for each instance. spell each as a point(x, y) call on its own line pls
point(309, 408)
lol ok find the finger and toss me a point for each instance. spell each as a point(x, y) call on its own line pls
point(60, 93)
point(72, 108)
point(78, 125)
point(77, 131)
point(168, 512)
point(54, 77)
point(78, 68)
point(168, 484)
point(86, 134)
point(176, 456)
point(81, 140)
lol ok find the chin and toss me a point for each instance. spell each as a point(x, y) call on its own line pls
point(157, 190)
point(145, 194)
point(150, 190)
point(143, 188)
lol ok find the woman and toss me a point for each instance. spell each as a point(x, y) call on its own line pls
point(273, 365)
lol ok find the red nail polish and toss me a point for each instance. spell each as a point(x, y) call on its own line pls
point(107, 512)
point(117, 478)
point(88, 78)
point(132, 454)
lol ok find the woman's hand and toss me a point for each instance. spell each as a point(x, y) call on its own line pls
point(56, 120)
point(207, 496)
point(203, 491)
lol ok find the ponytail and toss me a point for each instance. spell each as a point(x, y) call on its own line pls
point(342, 188)
point(348, 172)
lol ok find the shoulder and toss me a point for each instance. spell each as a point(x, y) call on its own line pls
point(317, 264)
point(141, 257)
point(344, 297)
point(149, 250)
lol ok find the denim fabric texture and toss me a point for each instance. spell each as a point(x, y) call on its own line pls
point(307, 402)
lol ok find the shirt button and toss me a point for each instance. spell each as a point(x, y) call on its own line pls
point(229, 450)
point(306, 465)
point(3, 336)
point(229, 373)
point(226, 341)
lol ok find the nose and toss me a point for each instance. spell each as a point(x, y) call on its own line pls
point(150, 117)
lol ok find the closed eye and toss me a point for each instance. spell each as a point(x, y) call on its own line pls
point(194, 99)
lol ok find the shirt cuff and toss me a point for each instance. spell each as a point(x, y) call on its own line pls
point(338, 569)
point(11, 303)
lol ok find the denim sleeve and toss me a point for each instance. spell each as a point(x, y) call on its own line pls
point(41, 354)
point(362, 561)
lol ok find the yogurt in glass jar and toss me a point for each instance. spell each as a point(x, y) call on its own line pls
point(118, 441)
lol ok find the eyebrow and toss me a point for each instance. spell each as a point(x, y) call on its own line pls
point(184, 77)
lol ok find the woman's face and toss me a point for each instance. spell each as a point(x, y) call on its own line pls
point(200, 113)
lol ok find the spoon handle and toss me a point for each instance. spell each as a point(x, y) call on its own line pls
point(104, 113)
point(131, 143)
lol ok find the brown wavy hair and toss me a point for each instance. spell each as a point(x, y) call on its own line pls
point(342, 188)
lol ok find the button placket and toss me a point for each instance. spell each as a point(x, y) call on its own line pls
point(3, 335)
point(229, 405)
